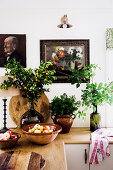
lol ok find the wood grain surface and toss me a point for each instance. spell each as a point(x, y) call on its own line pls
point(53, 153)
point(16, 160)
point(77, 136)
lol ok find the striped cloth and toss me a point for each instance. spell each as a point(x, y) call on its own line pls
point(99, 145)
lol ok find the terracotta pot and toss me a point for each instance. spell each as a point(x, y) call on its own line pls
point(65, 121)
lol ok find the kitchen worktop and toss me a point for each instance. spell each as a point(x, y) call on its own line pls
point(80, 135)
point(77, 135)
point(54, 153)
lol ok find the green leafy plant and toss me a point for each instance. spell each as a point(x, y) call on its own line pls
point(96, 94)
point(82, 75)
point(65, 105)
point(31, 82)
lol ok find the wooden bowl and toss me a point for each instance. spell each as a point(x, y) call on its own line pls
point(42, 138)
point(10, 143)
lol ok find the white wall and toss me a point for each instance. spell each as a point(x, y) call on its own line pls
point(56, 4)
point(41, 23)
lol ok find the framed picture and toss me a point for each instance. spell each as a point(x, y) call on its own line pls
point(12, 46)
point(65, 54)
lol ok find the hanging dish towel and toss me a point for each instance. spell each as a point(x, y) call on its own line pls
point(99, 146)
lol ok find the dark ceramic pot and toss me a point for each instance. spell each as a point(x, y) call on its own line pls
point(94, 120)
point(31, 116)
point(65, 121)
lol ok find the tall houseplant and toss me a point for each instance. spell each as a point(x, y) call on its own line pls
point(31, 83)
point(94, 95)
point(63, 111)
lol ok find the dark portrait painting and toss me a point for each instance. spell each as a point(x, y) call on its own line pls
point(12, 46)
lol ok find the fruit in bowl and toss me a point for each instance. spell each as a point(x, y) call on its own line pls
point(41, 133)
point(7, 135)
point(8, 139)
point(40, 129)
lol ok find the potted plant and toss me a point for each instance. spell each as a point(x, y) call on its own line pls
point(62, 111)
point(94, 95)
point(31, 83)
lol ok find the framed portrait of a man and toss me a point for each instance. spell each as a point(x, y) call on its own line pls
point(12, 46)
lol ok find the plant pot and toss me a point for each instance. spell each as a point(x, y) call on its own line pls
point(31, 117)
point(65, 121)
point(94, 120)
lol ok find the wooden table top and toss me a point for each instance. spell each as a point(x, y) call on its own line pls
point(77, 135)
point(53, 153)
point(81, 136)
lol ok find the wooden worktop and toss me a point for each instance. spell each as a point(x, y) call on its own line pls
point(53, 153)
point(77, 135)
point(80, 136)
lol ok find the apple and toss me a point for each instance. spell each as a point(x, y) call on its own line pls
point(45, 131)
point(46, 128)
point(41, 128)
point(37, 131)
point(14, 136)
point(37, 126)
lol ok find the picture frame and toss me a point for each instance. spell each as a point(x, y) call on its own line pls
point(72, 53)
point(16, 50)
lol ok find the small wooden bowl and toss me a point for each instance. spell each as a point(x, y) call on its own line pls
point(10, 143)
point(42, 138)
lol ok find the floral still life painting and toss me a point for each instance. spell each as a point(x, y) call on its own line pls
point(65, 54)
